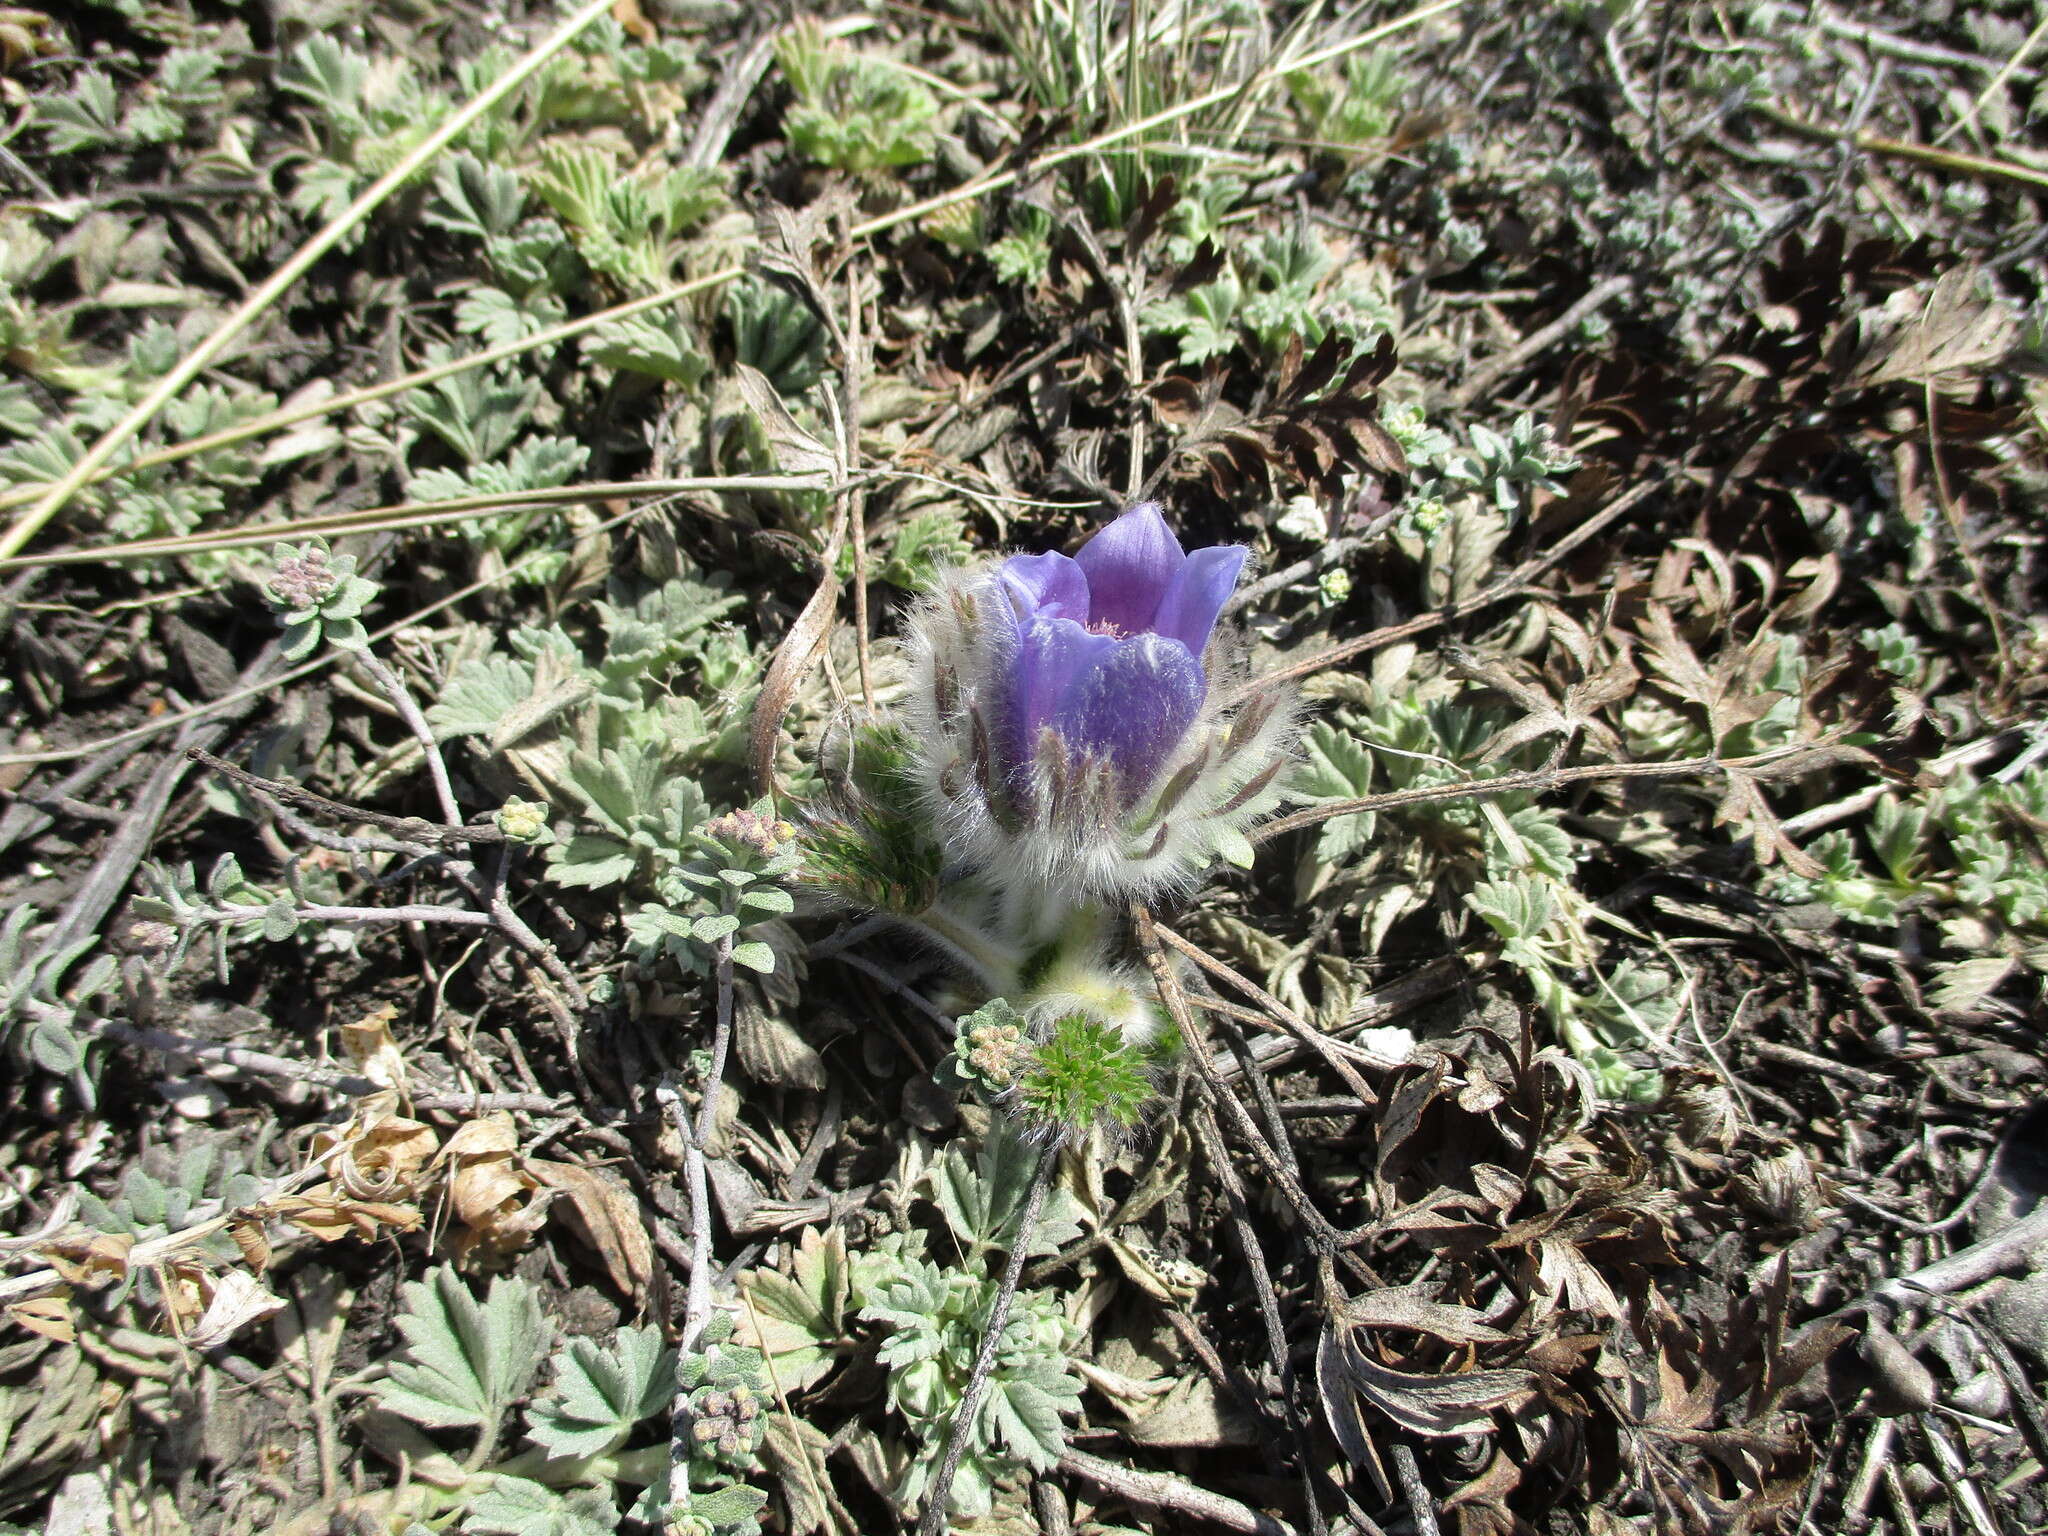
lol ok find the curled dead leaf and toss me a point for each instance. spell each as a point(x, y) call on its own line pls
point(238, 1299)
point(89, 1258)
point(599, 1207)
point(49, 1316)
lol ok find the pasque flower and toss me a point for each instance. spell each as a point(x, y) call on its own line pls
point(1070, 727)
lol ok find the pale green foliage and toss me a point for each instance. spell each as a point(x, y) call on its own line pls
point(933, 1319)
point(1084, 1074)
point(982, 1196)
point(600, 1394)
point(39, 1014)
point(1356, 111)
point(1963, 854)
point(167, 1192)
point(778, 333)
point(1541, 923)
point(464, 1364)
point(853, 112)
point(88, 116)
point(1024, 254)
point(802, 1320)
point(921, 548)
point(612, 740)
point(1505, 466)
point(626, 225)
point(1277, 288)
point(231, 910)
point(1508, 856)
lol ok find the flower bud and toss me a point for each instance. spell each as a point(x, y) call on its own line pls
point(1069, 728)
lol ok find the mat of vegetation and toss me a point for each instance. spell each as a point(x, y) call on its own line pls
point(1023, 766)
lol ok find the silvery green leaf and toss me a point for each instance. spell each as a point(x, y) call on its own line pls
point(351, 595)
point(616, 786)
point(601, 1393)
point(463, 1362)
point(719, 925)
point(518, 1506)
point(591, 861)
point(480, 693)
point(754, 955)
point(299, 638)
point(983, 1201)
point(767, 901)
point(345, 634)
point(53, 1046)
point(1028, 1419)
point(730, 1505)
point(280, 920)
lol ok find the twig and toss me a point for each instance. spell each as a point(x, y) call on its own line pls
point(1514, 584)
point(1162, 1490)
point(411, 829)
point(409, 711)
point(1494, 370)
point(1309, 1036)
point(1942, 159)
point(697, 1304)
point(1880, 41)
point(1541, 780)
point(460, 917)
point(961, 1430)
point(1996, 83)
point(1967, 756)
point(314, 1074)
point(1421, 1507)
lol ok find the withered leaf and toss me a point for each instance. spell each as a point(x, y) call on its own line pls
point(600, 1208)
point(1456, 1403)
point(238, 1300)
point(1411, 1307)
point(796, 451)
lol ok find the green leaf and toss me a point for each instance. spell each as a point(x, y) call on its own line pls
point(799, 1320)
point(464, 1363)
point(755, 955)
point(730, 1505)
point(600, 1394)
point(480, 694)
point(518, 1506)
point(983, 1201)
point(591, 861)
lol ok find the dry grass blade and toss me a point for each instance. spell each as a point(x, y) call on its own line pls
point(194, 362)
point(277, 421)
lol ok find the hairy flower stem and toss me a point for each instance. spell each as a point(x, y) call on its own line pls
point(934, 1521)
point(991, 963)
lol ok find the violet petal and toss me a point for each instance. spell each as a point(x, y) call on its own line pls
point(1129, 565)
point(1045, 586)
point(1051, 659)
point(1133, 707)
point(1191, 606)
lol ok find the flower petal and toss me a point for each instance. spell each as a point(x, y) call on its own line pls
point(1129, 566)
point(1190, 608)
point(1045, 586)
point(1051, 657)
point(1133, 707)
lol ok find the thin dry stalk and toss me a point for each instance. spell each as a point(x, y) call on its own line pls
point(274, 288)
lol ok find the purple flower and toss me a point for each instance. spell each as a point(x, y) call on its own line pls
point(1107, 655)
